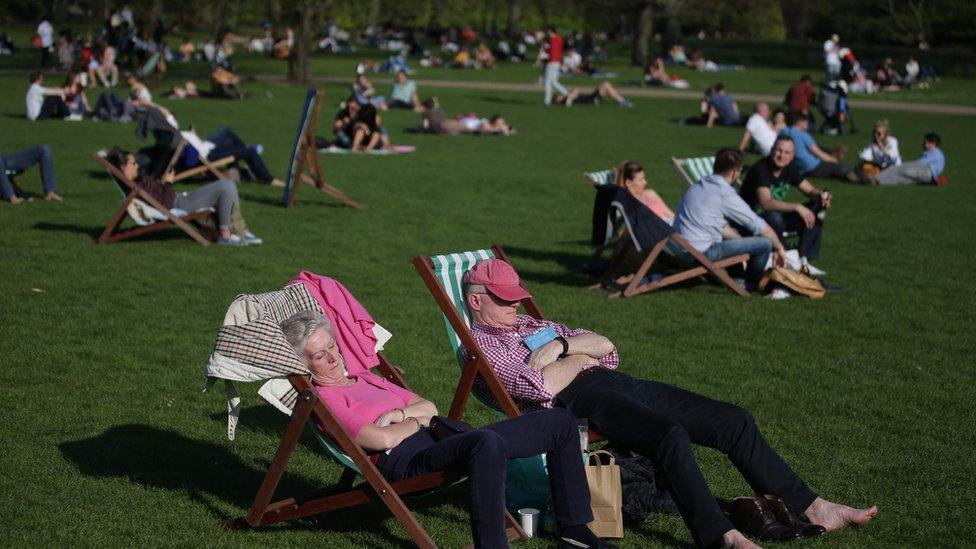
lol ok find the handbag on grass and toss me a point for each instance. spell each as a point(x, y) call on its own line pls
point(796, 282)
point(605, 495)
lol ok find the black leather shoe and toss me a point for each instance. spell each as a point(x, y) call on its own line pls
point(753, 518)
point(785, 516)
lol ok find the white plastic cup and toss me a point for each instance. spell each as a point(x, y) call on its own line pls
point(530, 521)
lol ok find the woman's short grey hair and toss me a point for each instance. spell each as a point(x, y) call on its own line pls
point(298, 327)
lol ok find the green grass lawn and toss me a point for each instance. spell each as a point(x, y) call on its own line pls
point(108, 440)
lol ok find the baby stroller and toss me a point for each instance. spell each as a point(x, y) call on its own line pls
point(833, 106)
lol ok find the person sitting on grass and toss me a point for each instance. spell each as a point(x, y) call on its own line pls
point(577, 370)
point(343, 126)
point(407, 438)
point(605, 89)
point(220, 195)
point(46, 103)
point(74, 94)
point(368, 132)
point(404, 94)
point(22, 160)
point(766, 186)
point(882, 152)
point(365, 93)
point(760, 130)
point(810, 158)
point(433, 120)
point(722, 108)
point(927, 170)
point(711, 205)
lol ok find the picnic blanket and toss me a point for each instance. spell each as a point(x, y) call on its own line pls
point(396, 149)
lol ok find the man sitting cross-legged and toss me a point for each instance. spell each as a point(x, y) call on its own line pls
point(711, 205)
point(577, 370)
point(765, 189)
point(811, 159)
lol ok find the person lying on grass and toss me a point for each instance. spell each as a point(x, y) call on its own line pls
point(605, 89)
point(433, 120)
point(220, 195)
point(394, 425)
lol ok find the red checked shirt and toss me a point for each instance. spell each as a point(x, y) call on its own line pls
point(508, 355)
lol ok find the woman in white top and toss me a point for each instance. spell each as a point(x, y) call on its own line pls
point(882, 152)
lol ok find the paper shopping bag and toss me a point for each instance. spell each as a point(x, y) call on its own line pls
point(605, 495)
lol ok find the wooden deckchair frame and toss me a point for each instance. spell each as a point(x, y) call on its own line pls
point(344, 493)
point(477, 363)
point(205, 165)
point(111, 233)
point(308, 160)
point(630, 285)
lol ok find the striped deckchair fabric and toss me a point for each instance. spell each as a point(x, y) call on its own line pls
point(449, 269)
point(693, 169)
point(603, 177)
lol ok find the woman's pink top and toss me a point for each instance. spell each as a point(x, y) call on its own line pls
point(363, 402)
point(656, 204)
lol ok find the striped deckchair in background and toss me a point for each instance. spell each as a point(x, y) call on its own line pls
point(693, 169)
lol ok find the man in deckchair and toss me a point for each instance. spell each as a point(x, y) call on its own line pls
point(383, 417)
point(577, 369)
point(711, 205)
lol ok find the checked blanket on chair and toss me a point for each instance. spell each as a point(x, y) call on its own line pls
point(250, 345)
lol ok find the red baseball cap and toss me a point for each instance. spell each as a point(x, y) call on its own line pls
point(498, 277)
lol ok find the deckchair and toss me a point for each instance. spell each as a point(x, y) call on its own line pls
point(611, 200)
point(442, 275)
point(144, 210)
point(254, 348)
point(693, 169)
point(305, 157)
point(206, 165)
point(595, 180)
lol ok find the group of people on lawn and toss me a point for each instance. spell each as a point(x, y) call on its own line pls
point(571, 374)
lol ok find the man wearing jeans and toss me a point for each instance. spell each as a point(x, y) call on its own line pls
point(577, 369)
point(20, 161)
point(554, 48)
point(711, 205)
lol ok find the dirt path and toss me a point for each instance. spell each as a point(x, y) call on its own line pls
point(931, 108)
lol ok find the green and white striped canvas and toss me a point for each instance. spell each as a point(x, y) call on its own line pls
point(698, 168)
point(449, 268)
point(603, 177)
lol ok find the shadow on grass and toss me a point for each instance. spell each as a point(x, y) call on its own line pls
point(507, 100)
point(92, 231)
point(146, 455)
point(574, 274)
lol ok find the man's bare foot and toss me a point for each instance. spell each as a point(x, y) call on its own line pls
point(277, 182)
point(53, 196)
point(15, 200)
point(834, 516)
point(733, 539)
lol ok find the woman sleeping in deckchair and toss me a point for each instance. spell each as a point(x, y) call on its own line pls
point(220, 195)
point(410, 439)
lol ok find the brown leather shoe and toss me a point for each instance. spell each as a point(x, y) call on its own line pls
point(781, 511)
point(752, 517)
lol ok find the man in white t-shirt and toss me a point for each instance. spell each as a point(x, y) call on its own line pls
point(831, 48)
point(45, 102)
point(760, 130)
point(45, 31)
